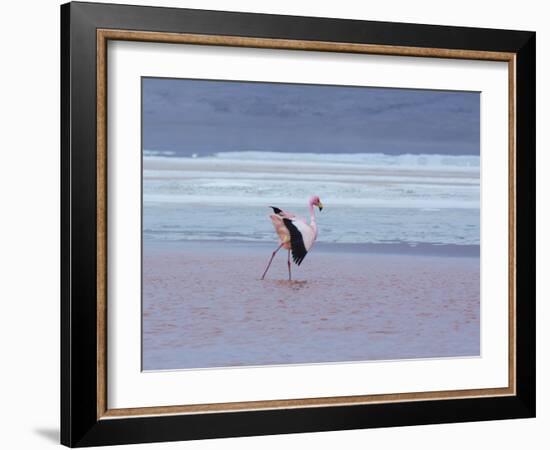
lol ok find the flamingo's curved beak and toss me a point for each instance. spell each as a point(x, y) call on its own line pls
point(320, 206)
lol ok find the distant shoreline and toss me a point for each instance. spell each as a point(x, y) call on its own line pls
point(399, 248)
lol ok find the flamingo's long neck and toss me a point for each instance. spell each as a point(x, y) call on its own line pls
point(311, 212)
point(312, 222)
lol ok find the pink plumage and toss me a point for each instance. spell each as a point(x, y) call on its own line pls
point(295, 234)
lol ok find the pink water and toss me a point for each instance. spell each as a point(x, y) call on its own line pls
point(205, 306)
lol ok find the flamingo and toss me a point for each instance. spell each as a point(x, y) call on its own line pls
point(295, 234)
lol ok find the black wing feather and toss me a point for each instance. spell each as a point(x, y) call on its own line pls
point(299, 251)
point(276, 210)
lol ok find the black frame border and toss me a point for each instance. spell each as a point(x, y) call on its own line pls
point(79, 423)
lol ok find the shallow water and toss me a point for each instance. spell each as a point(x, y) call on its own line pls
point(368, 198)
point(205, 306)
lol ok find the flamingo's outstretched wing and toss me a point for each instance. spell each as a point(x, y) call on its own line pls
point(282, 213)
point(299, 239)
point(281, 229)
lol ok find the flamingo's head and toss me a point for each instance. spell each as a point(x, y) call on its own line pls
point(316, 201)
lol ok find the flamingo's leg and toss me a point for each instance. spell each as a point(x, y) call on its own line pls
point(270, 261)
point(289, 271)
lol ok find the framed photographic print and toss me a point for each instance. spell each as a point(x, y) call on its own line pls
point(276, 224)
